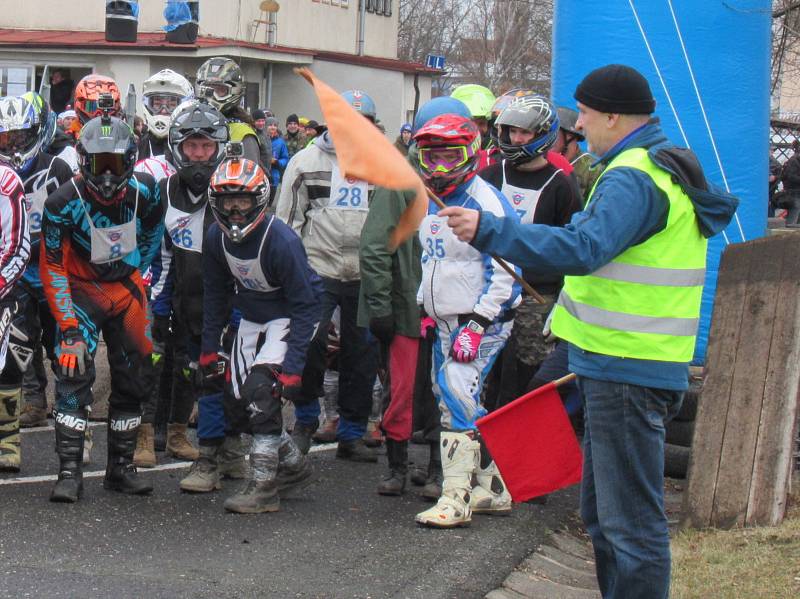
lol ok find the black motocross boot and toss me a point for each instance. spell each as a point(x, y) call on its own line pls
point(394, 482)
point(121, 474)
point(70, 428)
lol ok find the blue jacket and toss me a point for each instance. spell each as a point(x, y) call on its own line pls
point(283, 262)
point(281, 155)
point(626, 210)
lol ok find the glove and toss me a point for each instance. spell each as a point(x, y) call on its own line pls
point(548, 334)
point(383, 328)
point(73, 355)
point(426, 327)
point(160, 329)
point(290, 387)
point(468, 339)
point(212, 366)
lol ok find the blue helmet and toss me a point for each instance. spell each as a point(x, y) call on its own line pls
point(361, 102)
point(441, 105)
point(23, 130)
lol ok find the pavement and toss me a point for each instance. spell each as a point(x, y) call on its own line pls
point(336, 539)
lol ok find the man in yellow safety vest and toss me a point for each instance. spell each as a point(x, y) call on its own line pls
point(635, 264)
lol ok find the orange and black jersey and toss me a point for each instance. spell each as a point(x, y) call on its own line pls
point(66, 235)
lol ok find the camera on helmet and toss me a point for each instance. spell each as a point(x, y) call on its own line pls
point(234, 150)
point(105, 102)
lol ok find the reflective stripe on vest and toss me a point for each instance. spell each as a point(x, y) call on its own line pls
point(644, 304)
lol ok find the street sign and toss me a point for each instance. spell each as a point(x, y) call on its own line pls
point(432, 61)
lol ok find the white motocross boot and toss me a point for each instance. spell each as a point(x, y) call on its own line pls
point(460, 455)
point(489, 494)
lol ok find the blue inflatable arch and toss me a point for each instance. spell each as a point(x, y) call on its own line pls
point(708, 65)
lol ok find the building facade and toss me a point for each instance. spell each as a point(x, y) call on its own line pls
point(344, 45)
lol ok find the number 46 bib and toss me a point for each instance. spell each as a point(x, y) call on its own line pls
point(347, 193)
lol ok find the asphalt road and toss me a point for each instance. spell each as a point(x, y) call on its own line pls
point(337, 539)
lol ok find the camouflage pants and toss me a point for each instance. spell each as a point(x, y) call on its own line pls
point(527, 332)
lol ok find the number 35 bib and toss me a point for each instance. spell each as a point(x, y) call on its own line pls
point(347, 193)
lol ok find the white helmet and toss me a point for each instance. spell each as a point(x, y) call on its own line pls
point(161, 95)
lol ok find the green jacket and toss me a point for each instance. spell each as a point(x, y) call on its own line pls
point(389, 280)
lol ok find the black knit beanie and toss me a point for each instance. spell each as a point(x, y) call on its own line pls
point(292, 118)
point(617, 89)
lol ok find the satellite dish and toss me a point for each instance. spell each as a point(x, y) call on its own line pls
point(270, 6)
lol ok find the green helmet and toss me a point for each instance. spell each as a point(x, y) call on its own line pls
point(479, 99)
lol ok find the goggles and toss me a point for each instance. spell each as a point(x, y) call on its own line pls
point(163, 104)
point(99, 164)
point(444, 159)
point(92, 107)
point(242, 203)
point(218, 91)
point(18, 140)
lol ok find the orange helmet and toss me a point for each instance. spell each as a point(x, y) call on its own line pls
point(87, 96)
point(238, 196)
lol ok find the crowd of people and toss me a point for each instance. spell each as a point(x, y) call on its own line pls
point(214, 253)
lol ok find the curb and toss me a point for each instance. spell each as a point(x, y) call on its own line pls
point(562, 568)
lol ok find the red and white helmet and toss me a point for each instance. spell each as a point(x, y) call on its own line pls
point(448, 147)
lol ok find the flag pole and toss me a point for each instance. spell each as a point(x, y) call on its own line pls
point(505, 265)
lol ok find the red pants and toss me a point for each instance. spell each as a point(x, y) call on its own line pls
point(396, 422)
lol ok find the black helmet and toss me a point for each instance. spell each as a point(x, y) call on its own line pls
point(196, 118)
point(568, 118)
point(220, 83)
point(106, 156)
point(534, 113)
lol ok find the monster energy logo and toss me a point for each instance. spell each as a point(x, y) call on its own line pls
point(105, 131)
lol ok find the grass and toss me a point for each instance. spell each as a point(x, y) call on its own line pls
point(748, 563)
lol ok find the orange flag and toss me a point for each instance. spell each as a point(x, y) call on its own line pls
point(364, 152)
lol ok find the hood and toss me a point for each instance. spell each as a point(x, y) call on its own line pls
point(325, 143)
point(713, 206)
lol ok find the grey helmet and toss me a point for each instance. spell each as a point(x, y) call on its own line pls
point(106, 156)
point(534, 113)
point(568, 118)
point(196, 118)
point(220, 83)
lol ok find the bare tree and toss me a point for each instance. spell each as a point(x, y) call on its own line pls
point(498, 43)
point(785, 65)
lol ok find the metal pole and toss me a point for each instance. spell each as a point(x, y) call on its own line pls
point(362, 19)
point(269, 86)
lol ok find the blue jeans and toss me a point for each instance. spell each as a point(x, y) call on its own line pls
point(622, 492)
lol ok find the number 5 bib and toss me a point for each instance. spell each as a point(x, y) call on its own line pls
point(347, 193)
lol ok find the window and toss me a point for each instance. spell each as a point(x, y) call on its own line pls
point(378, 7)
point(15, 80)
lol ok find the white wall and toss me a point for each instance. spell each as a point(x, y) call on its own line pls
point(392, 91)
point(301, 23)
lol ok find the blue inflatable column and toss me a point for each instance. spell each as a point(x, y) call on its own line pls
point(708, 65)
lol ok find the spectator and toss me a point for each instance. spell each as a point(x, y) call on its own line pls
point(403, 140)
point(313, 129)
point(295, 137)
point(60, 90)
point(790, 177)
point(265, 144)
point(774, 179)
point(280, 156)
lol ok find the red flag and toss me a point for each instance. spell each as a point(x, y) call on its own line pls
point(533, 444)
point(364, 152)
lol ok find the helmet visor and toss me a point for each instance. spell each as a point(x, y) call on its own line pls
point(105, 162)
point(163, 104)
point(443, 159)
point(18, 141)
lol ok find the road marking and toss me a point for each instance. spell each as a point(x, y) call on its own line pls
point(23, 480)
